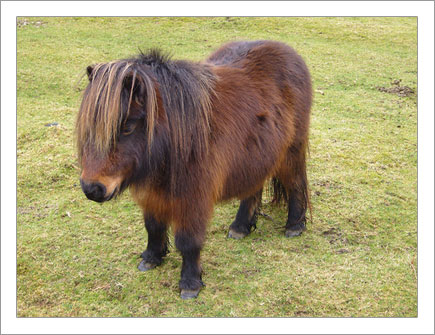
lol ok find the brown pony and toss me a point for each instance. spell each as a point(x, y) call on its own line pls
point(184, 136)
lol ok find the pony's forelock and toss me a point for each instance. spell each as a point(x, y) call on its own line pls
point(103, 108)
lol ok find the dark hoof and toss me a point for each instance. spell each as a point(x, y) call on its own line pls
point(145, 266)
point(236, 235)
point(189, 294)
point(295, 232)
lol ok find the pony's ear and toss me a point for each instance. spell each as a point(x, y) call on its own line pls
point(89, 71)
point(134, 82)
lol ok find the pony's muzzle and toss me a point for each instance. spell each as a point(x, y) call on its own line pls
point(94, 191)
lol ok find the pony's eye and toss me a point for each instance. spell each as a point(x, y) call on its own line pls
point(128, 129)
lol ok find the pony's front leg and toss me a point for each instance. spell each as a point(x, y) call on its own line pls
point(189, 241)
point(157, 246)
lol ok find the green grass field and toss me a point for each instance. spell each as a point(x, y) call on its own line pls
point(358, 257)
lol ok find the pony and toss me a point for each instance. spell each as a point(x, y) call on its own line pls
point(183, 136)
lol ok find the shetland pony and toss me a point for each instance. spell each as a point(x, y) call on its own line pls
point(183, 136)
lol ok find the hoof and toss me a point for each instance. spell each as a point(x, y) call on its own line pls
point(236, 235)
point(144, 266)
point(189, 294)
point(294, 233)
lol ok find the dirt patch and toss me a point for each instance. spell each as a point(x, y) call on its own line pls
point(165, 283)
point(335, 236)
point(42, 301)
point(35, 212)
point(249, 272)
point(327, 184)
point(401, 91)
point(25, 22)
point(331, 231)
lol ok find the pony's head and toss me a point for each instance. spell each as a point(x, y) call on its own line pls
point(142, 117)
point(115, 127)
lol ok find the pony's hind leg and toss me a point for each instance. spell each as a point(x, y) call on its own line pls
point(157, 246)
point(246, 217)
point(291, 186)
point(296, 219)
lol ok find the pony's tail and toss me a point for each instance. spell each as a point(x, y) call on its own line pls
point(281, 194)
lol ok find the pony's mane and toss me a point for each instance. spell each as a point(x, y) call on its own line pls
point(185, 89)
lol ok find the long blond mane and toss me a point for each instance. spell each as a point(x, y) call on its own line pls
point(103, 108)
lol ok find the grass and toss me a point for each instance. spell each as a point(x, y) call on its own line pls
point(358, 258)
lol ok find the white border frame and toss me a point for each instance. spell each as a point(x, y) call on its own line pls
point(10, 324)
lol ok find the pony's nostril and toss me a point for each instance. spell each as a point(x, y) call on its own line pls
point(94, 191)
point(98, 190)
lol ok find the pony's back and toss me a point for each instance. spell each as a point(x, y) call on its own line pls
point(271, 60)
point(233, 52)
